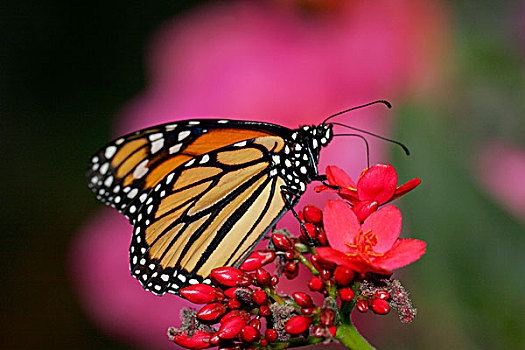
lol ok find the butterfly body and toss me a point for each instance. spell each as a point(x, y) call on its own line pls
point(202, 193)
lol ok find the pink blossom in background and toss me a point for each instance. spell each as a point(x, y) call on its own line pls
point(267, 62)
point(500, 169)
point(108, 293)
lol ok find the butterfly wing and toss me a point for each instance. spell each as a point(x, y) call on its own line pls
point(125, 170)
point(200, 195)
point(210, 212)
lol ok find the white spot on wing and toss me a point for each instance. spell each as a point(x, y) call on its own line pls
point(184, 134)
point(204, 159)
point(110, 152)
point(171, 127)
point(108, 181)
point(133, 193)
point(176, 148)
point(157, 145)
point(155, 136)
point(104, 168)
point(141, 169)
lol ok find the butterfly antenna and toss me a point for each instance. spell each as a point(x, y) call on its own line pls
point(366, 144)
point(405, 148)
point(385, 102)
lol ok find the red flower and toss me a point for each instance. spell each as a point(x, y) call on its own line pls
point(373, 246)
point(377, 185)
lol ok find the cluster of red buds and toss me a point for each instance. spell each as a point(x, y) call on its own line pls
point(244, 309)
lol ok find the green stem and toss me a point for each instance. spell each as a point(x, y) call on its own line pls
point(306, 263)
point(350, 337)
point(346, 333)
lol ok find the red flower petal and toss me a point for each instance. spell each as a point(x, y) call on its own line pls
point(404, 252)
point(386, 225)
point(356, 263)
point(406, 187)
point(377, 183)
point(334, 255)
point(338, 177)
point(341, 224)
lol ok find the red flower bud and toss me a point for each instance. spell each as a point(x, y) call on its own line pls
point(302, 299)
point(310, 231)
point(297, 324)
point(236, 313)
point(257, 259)
point(202, 294)
point(235, 292)
point(231, 327)
point(325, 274)
point(289, 255)
point(318, 331)
point(260, 297)
point(379, 306)
point(312, 214)
point(307, 310)
point(281, 241)
point(316, 284)
point(332, 330)
point(255, 323)
point(211, 311)
point(262, 277)
point(327, 317)
point(300, 214)
point(291, 275)
point(231, 277)
point(274, 281)
point(363, 209)
point(346, 294)
point(343, 275)
point(250, 334)
point(270, 335)
point(264, 310)
point(321, 237)
point(198, 340)
point(234, 304)
point(381, 294)
point(215, 339)
point(362, 305)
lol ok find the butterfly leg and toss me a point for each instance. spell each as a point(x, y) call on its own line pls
point(318, 177)
point(286, 192)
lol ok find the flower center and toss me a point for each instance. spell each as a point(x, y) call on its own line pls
point(364, 244)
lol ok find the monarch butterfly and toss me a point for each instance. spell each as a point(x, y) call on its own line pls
point(202, 193)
